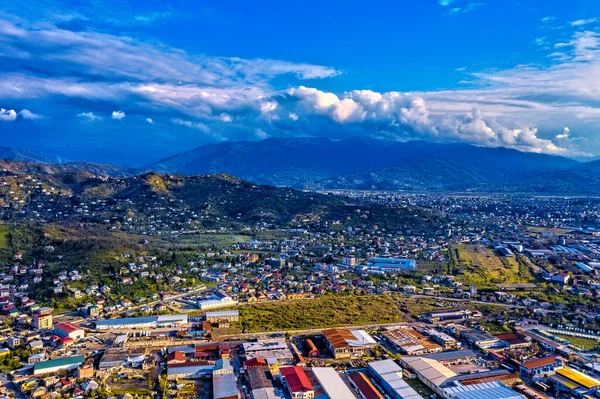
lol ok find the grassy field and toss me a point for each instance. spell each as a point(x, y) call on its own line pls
point(557, 231)
point(212, 239)
point(483, 268)
point(585, 343)
point(321, 312)
point(4, 237)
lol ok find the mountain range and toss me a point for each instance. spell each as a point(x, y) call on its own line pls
point(367, 164)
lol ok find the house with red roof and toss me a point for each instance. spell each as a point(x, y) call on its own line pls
point(297, 382)
point(255, 362)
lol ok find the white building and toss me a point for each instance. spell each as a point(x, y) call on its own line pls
point(217, 300)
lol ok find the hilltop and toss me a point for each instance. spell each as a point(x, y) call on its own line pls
point(180, 202)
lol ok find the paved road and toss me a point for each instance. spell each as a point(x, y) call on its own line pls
point(76, 318)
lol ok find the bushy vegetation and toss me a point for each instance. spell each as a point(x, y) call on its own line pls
point(320, 312)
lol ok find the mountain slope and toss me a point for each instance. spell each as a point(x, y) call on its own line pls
point(361, 163)
point(177, 202)
point(16, 154)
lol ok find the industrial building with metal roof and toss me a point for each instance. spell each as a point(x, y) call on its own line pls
point(143, 322)
point(225, 386)
point(332, 383)
point(487, 390)
point(389, 375)
point(431, 372)
point(60, 363)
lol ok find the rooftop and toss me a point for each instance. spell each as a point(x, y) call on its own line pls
point(296, 379)
point(332, 383)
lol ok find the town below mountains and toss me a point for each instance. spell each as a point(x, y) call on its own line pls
point(360, 164)
point(175, 281)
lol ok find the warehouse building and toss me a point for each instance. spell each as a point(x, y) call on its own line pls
point(225, 386)
point(540, 366)
point(69, 330)
point(223, 315)
point(453, 356)
point(488, 390)
point(278, 350)
point(430, 372)
point(331, 383)
point(390, 265)
point(344, 343)
point(58, 364)
point(217, 300)
point(410, 342)
point(389, 375)
point(573, 382)
point(364, 387)
point(143, 322)
point(480, 339)
point(189, 370)
point(441, 317)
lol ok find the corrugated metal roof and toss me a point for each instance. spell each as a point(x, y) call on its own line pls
point(391, 373)
point(430, 369)
point(332, 383)
point(487, 390)
point(578, 377)
point(224, 386)
point(450, 355)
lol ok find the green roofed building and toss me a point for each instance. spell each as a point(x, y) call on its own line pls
point(60, 363)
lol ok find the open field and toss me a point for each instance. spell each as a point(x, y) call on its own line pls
point(321, 312)
point(210, 239)
point(556, 230)
point(483, 268)
point(586, 343)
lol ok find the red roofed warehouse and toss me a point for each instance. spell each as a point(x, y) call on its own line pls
point(69, 330)
point(540, 366)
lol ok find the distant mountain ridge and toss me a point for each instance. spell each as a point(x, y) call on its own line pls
point(356, 163)
point(16, 154)
point(362, 163)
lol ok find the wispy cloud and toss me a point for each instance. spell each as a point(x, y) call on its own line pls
point(466, 8)
point(191, 124)
point(582, 22)
point(27, 114)
point(89, 116)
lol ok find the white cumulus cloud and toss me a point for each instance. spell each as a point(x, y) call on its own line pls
point(8, 115)
point(118, 115)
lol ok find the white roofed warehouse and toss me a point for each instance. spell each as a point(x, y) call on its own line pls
point(389, 376)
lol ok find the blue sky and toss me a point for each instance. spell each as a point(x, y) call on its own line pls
point(137, 81)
